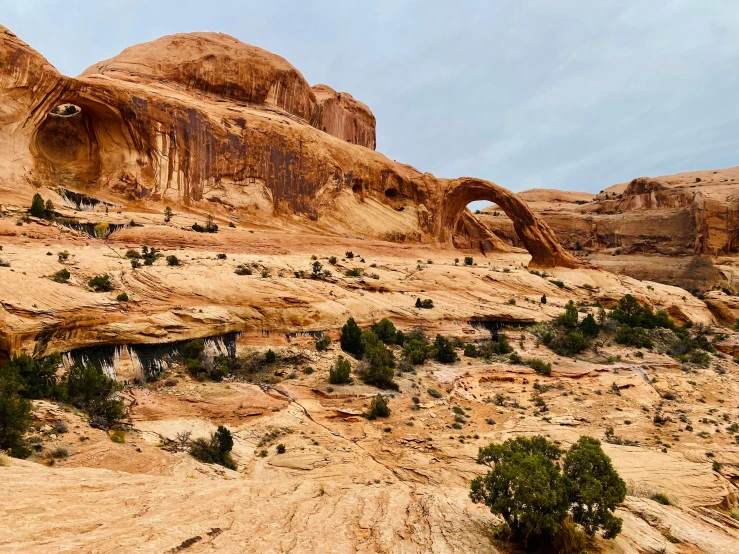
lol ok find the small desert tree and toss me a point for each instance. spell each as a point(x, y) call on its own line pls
point(340, 372)
point(534, 496)
point(216, 449)
point(378, 408)
point(94, 392)
point(569, 318)
point(15, 417)
point(445, 350)
point(524, 486)
point(385, 330)
point(589, 327)
point(37, 206)
point(49, 209)
point(595, 487)
point(377, 363)
point(351, 338)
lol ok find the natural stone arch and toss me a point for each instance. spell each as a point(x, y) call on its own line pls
point(535, 235)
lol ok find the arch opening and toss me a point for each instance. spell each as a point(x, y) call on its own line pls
point(460, 227)
point(73, 138)
point(65, 110)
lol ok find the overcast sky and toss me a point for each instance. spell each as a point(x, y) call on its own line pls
point(574, 95)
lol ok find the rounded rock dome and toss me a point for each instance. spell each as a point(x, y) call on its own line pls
point(214, 63)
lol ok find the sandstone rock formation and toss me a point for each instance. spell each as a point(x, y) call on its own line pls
point(203, 120)
point(340, 115)
point(691, 217)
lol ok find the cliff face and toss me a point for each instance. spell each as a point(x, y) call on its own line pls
point(340, 115)
point(204, 120)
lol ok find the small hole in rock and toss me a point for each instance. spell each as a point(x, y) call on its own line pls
point(66, 110)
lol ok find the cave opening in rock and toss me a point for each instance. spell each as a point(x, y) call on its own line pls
point(393, 194)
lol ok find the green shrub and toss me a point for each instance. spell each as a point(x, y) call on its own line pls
point(589, 328)
point(281, 448)
point(323, 343)
point(349, 255)
point(150, 255)
point(434, 393)
point(425, 304)
point(569, 318)
point(340, 372)
point(557, 282)
point(15, 419)
point(95, 393)
point(497, 346)
point(34, 379)
point(332, 260)
point(661, 498)
point(172, 260)
point(351, 339)
point(209, 227)
point(470, 350)
point(540, 367)
point(377, 362)
point(385, 330)
point(468, 260)
point(243, 269)
point(445, 353)
point(633, 336)
point(61, 276)
point(221, 256)
point(543, 299)
point(630, 312)
point(216, 449)
point(270, 357)
point(699, 358)
point(569, 344)
point(416, 349)
point(118, 436)
point(122, 297)
point(378, 408)
point(100, 283)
